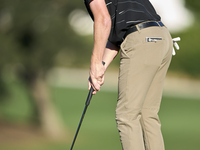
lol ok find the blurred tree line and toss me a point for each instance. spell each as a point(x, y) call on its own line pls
point(187, 59)
point(35, 36)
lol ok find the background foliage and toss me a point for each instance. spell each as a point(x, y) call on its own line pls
point(37, 35)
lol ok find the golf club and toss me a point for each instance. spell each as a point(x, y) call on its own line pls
point(84, 111)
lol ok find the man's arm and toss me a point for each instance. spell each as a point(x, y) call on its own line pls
point(102, 26)
point(110, 53)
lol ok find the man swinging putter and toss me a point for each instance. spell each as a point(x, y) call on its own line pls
point(145, 44)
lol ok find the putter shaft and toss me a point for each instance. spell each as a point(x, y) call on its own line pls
point(83, 114)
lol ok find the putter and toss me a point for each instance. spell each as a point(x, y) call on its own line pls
point(84, 111)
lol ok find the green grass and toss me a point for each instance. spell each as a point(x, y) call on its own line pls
point(180, 120)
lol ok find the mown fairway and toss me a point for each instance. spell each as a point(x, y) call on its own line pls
point(180, 121)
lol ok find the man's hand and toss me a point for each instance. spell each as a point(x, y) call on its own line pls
point(96, 79)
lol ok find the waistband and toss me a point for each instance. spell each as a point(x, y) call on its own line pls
point(143, 26)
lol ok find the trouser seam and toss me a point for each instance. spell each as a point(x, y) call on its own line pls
point(146, 139)
point(126, 90)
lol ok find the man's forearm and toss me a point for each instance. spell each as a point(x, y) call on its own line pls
point(110, 53)
point(101, 33)
point(102, 26)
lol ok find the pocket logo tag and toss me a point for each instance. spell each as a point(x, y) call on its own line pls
point(153, 39)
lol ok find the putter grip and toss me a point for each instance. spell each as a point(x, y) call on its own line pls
point(89, 96)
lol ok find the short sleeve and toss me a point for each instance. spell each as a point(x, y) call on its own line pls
point(87, 2)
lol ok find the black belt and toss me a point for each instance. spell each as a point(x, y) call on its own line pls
point(142, 26)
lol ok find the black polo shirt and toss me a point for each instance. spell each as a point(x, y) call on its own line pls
point(126, 13)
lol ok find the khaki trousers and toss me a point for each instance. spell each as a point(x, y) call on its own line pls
point(143, 67)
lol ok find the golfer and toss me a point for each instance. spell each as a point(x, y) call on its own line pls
point(134, 28)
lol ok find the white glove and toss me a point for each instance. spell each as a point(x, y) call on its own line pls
point(175, 40)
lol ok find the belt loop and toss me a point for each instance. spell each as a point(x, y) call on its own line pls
point(159, 24)
point(138, 28)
